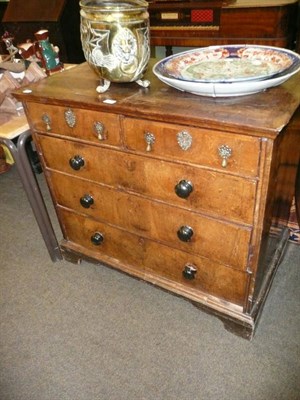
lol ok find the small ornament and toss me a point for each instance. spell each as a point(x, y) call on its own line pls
point(27, 51)
point(47, 53)
point(8, 38)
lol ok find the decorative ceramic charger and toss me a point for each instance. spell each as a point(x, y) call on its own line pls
point(228, 70)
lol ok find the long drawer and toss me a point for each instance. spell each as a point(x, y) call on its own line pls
point(150, 259)
point(217, 194)
point(182, 229)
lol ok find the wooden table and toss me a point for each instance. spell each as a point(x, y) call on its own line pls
point(14, 134)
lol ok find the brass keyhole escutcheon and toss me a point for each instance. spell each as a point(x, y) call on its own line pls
point(70, 118)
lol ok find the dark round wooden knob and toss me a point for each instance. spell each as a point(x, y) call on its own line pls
point(185, 233)
point(189, 272)
point(97, 238)
point(76, 162)
point(183, 189)
point(86, 201)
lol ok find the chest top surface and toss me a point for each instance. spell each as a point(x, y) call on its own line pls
point(264, 113)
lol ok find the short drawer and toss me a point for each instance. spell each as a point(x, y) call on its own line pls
point(228, 152)
point(93, 126)
point(106, 240)
point(212, 192)
point(189, 273)
point(224, 242)
point(152, 261)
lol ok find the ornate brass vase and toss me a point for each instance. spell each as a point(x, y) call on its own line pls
point(115, 39)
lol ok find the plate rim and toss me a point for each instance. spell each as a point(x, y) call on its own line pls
point(226, 89)
point(294, 56)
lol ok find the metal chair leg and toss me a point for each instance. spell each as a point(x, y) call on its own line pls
point(33, 193)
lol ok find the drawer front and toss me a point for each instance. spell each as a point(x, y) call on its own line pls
point(217, 194)
point(155, 262)
point(206, 147)
point(190, 273)
point(115, 243)
point(94, 126)
point(220, 241)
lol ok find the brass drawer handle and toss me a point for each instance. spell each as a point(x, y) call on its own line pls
point(70, 118)
point(189, 272)
point(47, 121)
point(99, 130)
point(225, 153)
point(150, 140)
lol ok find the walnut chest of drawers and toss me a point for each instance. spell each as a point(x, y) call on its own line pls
point(184, 192)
